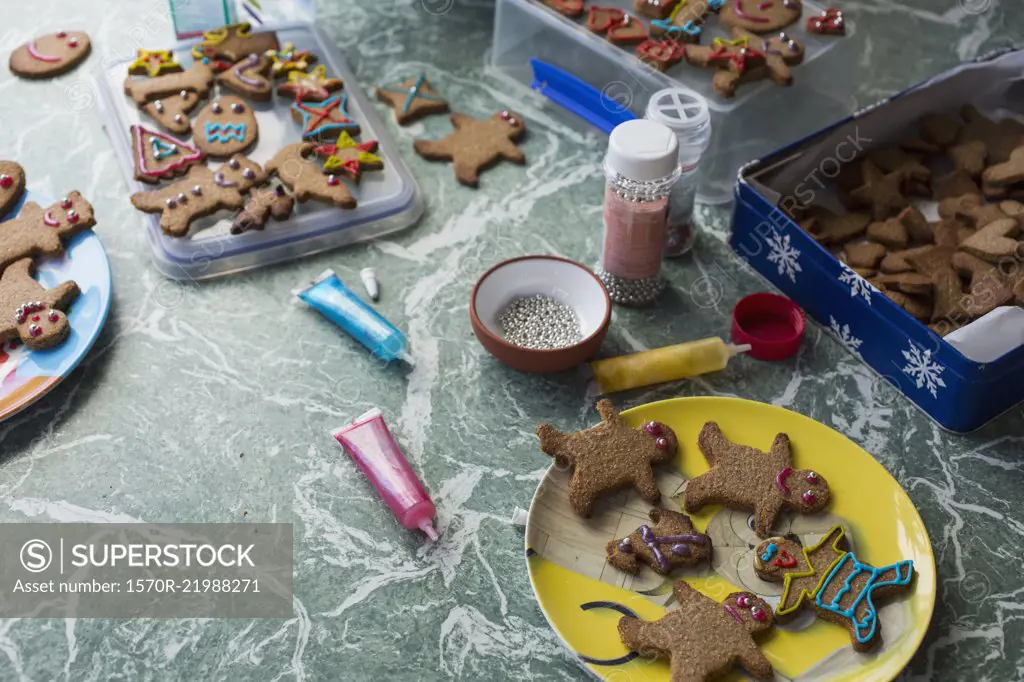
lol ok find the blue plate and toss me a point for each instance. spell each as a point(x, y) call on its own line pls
point(26, 376)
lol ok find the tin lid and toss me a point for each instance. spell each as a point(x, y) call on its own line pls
point(771, 324)
point(642, 150)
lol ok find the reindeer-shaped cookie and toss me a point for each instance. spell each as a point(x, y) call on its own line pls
point(201, 193)
point(42, 232)
point(30, 312)
point(743, 477)
point(704, 639)
point(477, 145)
point(833, 581)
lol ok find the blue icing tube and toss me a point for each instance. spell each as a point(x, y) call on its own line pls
point(329, 296)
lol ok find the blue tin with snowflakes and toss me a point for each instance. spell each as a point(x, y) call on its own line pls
point(958, 393)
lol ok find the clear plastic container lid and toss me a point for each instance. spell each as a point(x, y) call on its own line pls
point(389, 200)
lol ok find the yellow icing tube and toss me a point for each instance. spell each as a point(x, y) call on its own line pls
point(664, 364)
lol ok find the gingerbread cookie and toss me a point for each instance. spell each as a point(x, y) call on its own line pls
point(940, 130)
point(477, 145)
point(685, 23)
point(50, 55)
point(169, 99)
point(263, 204)
point(703, 639)
point(224, 46)
point(910, 283)
point(917, 307)
point(158, 156)
point(309, 86)
point(866, 255)
point(890, 232)
point(655, 9)
point(994, 242)
point(42, 232)
point(412, 99)
point(671, 543)
point(288, 59)
point(742, 477)
point(249, 77)
point(1008, 173)
point(976, 210)
point(610, 456)
point(154, 63)
point(896, 261)
point(880, 192)
point(201, 193)
point(955, 184)
point(324, 120)
point(830, 579)
point(567, 8)
point(1000, 138)
point(12, 185)
point(987, 286)
point(305, 178)
point(600, 19)
point(31, 313)
point(225, 127)
point(969, 157)
point(661, 54)
point(761, 16)
point(917, 176)
point(629, 31)
point(830, 22)
point(350, 158)
point(748, 58)
point(827, 227)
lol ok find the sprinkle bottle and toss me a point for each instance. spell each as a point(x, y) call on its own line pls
point(686, 114)
point(641, 167)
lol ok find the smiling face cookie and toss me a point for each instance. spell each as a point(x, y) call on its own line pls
point(761, 16)
point(226, 126)
point(12, 185)
point(50, 55)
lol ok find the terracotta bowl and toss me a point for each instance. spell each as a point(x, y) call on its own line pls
point(561, 279)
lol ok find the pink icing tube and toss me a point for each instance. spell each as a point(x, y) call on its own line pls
point(370, 444)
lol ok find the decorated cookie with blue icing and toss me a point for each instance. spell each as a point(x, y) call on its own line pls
point(412, 99)
point(832, 580)
point(225, 127)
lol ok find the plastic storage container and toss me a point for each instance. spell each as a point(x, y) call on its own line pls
point(958, 393)
point(389, 200)
point(743, 128)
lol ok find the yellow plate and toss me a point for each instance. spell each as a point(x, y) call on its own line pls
point(583, 597)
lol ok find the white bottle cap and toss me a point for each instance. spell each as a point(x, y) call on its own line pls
point(642, 150)
point(686, 114)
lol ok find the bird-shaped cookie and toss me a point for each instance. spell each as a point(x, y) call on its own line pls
point(609, 456)
point(704, 639)
point(477, 145)
point(742, 477)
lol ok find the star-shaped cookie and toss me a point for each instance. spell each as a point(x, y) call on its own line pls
point(154, 63)
point(742, 477)
point(288, 59)
point(325, 119)
point(412, 99)
point(704, 639)
point(350, 158)
point(309, 86)
point(610, 456)
point(671, 542)
point(881, 192)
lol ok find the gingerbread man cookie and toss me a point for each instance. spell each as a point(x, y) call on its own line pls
point(50, 55)
point(42, 232)
point(265, 203)
point(306, 179)
point(31, 313)
point(761, 16)
point(12, 185)
point(685, 23)
point(670, 543)
point(201, 193)
point(477, 145)
point(169, 99)
point(833, 581)
point(610, 456)
point(742, 477)
point(704, 639)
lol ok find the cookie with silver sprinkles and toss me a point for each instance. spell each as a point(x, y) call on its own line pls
point(610, 456)
point(670, 543)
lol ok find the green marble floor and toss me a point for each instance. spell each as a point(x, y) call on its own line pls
point(185, 378)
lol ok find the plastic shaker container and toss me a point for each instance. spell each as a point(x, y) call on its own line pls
point(686, 114)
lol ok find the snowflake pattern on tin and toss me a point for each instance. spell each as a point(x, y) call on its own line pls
point(843, 336)
point(784, 255)
point(925, 372)
point(858, 285)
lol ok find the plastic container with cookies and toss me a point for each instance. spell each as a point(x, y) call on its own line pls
point(260, 195)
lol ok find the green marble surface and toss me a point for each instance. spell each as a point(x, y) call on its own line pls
point(187, 378)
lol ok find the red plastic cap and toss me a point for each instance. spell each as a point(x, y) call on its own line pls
point(773, 325)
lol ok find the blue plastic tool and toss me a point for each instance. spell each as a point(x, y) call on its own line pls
point(592, 105)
